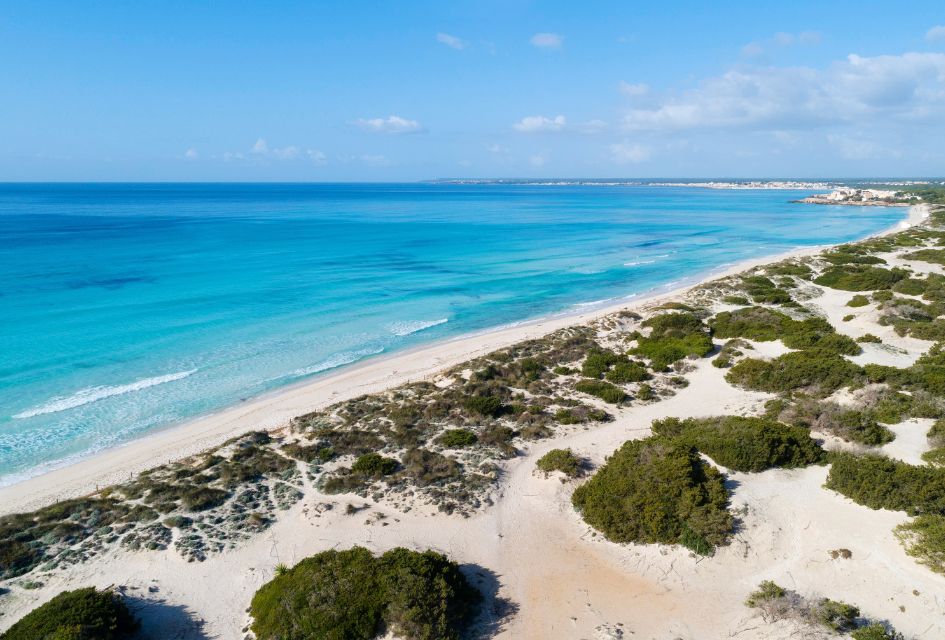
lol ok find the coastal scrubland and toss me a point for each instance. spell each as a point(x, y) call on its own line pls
point(791, 389)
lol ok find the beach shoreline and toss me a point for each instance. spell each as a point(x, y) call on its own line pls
point(275, 409)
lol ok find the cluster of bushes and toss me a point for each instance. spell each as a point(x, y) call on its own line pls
point(763, 291)
point(657, 490)
point(672, 337)
point(924, 539)
point(354, 595)
point(817, 372)
point(602, 389)
point(935, 256)
point(858, 300)
point(854, 277)
point(745, 444)
point(776, 603)
point(763, 324)
point(859, 425)
point(562, 460)
point(83, 614)
point(882, 483)
point(457, 438)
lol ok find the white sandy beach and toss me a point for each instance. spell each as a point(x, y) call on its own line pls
point(531, 546)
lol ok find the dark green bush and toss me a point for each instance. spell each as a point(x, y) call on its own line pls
point(562, 460)
point(483, 405)
point(317, 452)
point(674, 336)
point(869, 338)
point(598, 361)
point(374, 465)
point(882, 483)
point(858, 301)
point(657, 490)
point(838, 616)
point(83, 614)
point(875, 631)
point(352, 595)
point(603, 390)
point(745, 444)
point(624, 372)
point(859, 278)
point(762, 324)
point(818, 372)
point(457, 438)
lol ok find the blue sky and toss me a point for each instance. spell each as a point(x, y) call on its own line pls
point(415, 90)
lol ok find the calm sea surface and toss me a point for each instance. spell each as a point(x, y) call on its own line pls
point(125, 308)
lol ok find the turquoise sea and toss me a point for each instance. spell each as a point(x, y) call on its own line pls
point(128, 307)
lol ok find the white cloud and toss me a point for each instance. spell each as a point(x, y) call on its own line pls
point(634, 90)
point(392, 124)
point(539, 124)
point(451, 41)
point(936, 34)
point(317, 157)
point(537, 160)
point(496, 148)
point(628, 153)
point(907, 87)
point(546, 40)
point(591, 127)
point(191, 154)
point(262, 149)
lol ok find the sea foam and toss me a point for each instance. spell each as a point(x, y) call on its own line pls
point(94, 394)
point(407, 327)
point(337, 360)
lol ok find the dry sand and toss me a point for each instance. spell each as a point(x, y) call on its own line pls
point(531, 549)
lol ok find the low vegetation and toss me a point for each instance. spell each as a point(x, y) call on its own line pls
point(562, 460)
point(672, 337)
point(657, 490)
point(354, 595)
point(83, 614)
point(745, 444)
point(924, 539)
point(882, 483)
point(816, 373)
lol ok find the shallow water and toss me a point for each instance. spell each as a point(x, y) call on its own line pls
point(124, 308)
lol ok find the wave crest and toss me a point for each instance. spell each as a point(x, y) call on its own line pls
point(407, 327)
point(94, 394)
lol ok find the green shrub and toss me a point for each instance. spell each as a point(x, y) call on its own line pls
point(317, 452)
point(821, 373)
point(745, 444)
point(858, 300)
point(674, 336)
point(729, 351)
point(882, 483)
point(875, 631)
point(859, 278)
point(562, 460)
point(763, 291)
point(739, 300)
point(882, 295)
point(924, 539)
point(457, 438)
point(598, 361)
point(374, 465)
point(936, 433)
point(83, 614)
point(935, 256)
point(603, 390)
point(763, 325)
point(837, 616)
point(645, 392)
point(203, 498)
point(766, 592)
point(352, 595)
point(624, 372)
point(656, 490)
point(935, 457)
point(483, 405)
point(563, 371)
point(869, 338)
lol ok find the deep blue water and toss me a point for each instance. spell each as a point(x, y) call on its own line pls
point(124, 308)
